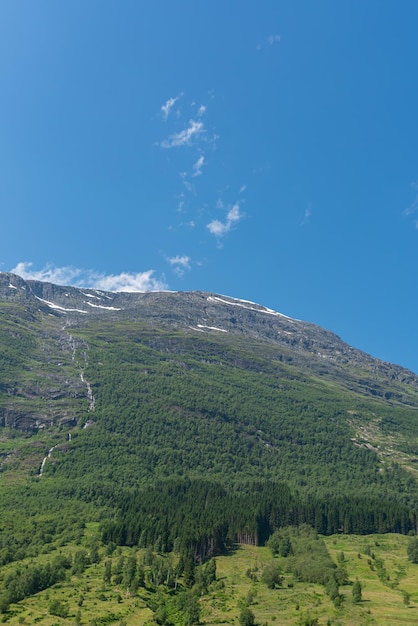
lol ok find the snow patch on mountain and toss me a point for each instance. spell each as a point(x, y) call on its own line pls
point(59, 308)
point(243, 304)
point(100, 306)
point(222, 330)
point(90, 295)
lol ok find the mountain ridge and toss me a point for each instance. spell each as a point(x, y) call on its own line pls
point(71, 302)
point(314, 348)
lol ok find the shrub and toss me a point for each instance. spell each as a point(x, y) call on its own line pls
point(246, 617)
point(58, 608)
point(271, 576)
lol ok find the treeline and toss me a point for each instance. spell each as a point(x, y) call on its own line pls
point(204, 518)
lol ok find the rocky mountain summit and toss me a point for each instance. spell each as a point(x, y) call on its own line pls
point(307, 344)
point(46, 315)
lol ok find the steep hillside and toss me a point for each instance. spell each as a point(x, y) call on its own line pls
point(102, 394)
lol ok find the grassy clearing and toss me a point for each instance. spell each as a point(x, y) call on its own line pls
point(381, 565)
point(379, 562)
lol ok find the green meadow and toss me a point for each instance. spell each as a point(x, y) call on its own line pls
point(388, 581)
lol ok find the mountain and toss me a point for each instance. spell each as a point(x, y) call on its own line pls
point(48, 315)
point(107, 395)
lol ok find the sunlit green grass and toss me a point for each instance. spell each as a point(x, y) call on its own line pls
point(89, 598)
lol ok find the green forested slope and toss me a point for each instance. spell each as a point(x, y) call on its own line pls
point(170, 405)
point(125, 416)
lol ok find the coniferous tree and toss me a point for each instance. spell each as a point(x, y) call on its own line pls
point(129, 571)
point(357, 592)
point(188, 570)
point(189, 605)
point(107, 576)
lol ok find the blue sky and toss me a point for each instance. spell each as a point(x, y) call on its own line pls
point(265, 150)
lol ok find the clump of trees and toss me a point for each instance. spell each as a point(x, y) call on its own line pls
point(271, 575)
point(307, 558)
point(176, 580)
point(26, 581)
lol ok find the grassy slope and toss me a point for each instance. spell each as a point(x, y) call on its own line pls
point(382, 603)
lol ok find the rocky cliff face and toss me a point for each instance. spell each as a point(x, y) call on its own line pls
point(48, 387)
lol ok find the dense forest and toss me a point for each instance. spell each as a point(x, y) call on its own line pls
point(204, 518)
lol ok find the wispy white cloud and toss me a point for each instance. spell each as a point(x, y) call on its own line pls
point(184, 137)
point(180, 264)
point(166, 108)
point(269, 41)
point(213, 141)
point(234, 214)
point(272, 39)
point(58, 275)
point(188, 185)
point(195, 130)
point(180, 203)
point(197, 167)
point(76, 277)
point(184, 261)
point(219, 229)
point(198, 136)
point(141, 281)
